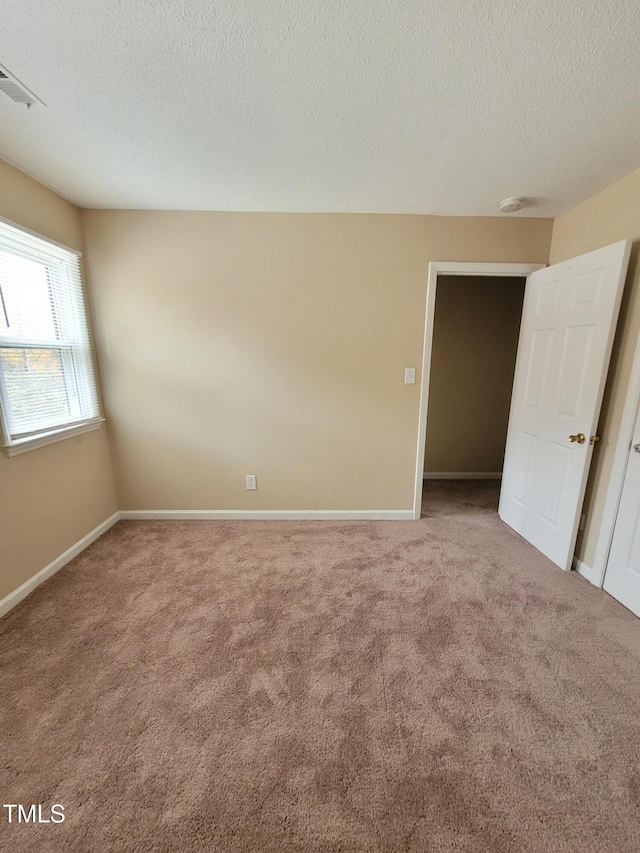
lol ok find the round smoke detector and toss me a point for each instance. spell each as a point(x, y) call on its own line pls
point(510, 205)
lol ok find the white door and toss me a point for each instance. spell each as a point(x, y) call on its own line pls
point(568, 323)
point(622, 579)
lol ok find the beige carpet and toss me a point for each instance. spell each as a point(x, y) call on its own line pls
point(315, 686)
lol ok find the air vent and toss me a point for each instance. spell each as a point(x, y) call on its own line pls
point(16, 90)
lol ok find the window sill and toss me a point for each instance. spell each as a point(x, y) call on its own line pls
point(36, 441)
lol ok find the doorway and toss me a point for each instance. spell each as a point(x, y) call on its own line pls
point(458, 443)
point(473, 359)
point(568, 325)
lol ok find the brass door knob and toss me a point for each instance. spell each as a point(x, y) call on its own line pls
point(579, 437)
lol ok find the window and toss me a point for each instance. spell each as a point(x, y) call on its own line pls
point(47, 381)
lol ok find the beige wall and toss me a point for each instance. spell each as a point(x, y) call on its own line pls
point(271, 344)
point(475, 339)
point(612, 215)
point(51, 497)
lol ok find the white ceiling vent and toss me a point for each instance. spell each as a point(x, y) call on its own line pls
point(16, 90)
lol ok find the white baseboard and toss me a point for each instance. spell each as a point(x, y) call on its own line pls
point(268, 515)
point(15, 597)
point(586, 572)
point(457, 475)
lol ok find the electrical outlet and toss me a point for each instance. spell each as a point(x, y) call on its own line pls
point(409, 376)
point(251, 481)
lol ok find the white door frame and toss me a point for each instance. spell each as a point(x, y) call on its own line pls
point(437, 268)
point(596, 573)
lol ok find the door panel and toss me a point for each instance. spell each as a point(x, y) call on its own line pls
point(622, 579)
point(573, 371)
point(554, 484)
point(568, 323)
point(538, 368)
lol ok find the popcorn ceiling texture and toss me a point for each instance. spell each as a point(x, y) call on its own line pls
point(373, 106)
point(272, 687)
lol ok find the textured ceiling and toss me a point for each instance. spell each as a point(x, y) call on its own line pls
point(396, 106)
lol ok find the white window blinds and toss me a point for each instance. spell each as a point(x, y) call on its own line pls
point(47, 381)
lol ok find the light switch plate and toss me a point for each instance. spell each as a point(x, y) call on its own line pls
point(409, 376)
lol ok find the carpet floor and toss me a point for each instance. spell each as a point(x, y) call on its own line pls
point(320, 686)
